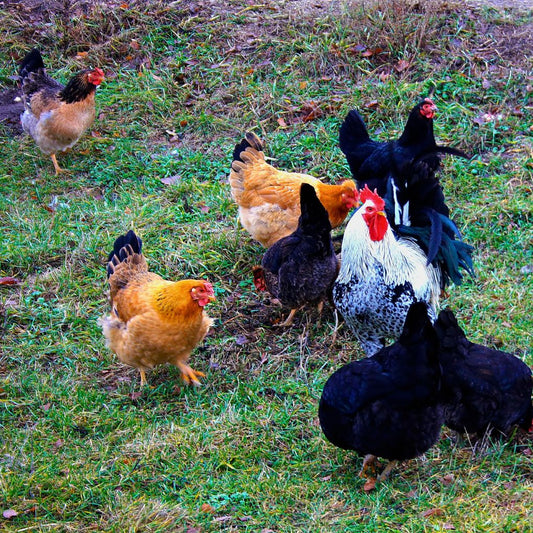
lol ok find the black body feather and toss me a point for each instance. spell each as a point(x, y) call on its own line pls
point(388, 405)
point(483, 388)
point(300, 268)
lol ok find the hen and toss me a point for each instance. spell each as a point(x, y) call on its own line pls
point(153, 321)
point(55, 115)
point(380, 277)
point(300, 268)
point(485, 389)
point(269, 199)
point(388, 405)
point(403, 173)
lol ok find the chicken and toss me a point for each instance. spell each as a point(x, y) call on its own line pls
point(269, 199)
point(372, 162)
point(55, 115)
point(153, 321)
point(380, 277)
point(485, 389)
point(403, 173)
point(300, 268)
point(388, 405)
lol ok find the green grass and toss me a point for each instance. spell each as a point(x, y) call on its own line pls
point(82, 448)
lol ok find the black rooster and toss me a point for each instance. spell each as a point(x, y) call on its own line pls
point(300, 268)
point(403, 171)
point(484, 389)
point(388, 405)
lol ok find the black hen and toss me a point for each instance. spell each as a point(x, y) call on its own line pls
point(403, 173)
point(300, 268)
point(484, 389)
point(388, 405)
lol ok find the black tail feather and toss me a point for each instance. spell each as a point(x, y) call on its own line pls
point(250, 140)
point(124, 246)
point(31, 63)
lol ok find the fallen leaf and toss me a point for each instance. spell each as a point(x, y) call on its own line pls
point(325, 478)
point(136, 395)
point(303, 85)
point(240, 340)
point(206, 508)
point(8, 280)
point(401, 65)
point(370, 485)
point(435, 511)
point(447, 525)
point(222, 518)
point(9, 513)
point(183, 123)
point(135, 44)
point(448, 479)
point(281, 122)
point(80, 55)
point(58, 444)
point(372, 104)
point(46, 407)
point(204, 208)
point(169, 180)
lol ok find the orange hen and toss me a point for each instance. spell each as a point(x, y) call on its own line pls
point(269, 199)
point(54, 115)
point(153, 321)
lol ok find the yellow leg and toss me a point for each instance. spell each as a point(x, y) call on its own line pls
point(288, 320)
point(385, 474)
point(143, 377)
point(368, 462)
point(189, 375)
point(56, 165)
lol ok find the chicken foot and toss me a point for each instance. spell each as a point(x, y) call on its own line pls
point(288, 320)
point(368, 463)
point(388, 469)
point(189, 375)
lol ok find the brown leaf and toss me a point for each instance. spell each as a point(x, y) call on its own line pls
point(303, 85)
point(370, 485)
point(281, 122)
point(448, 525)
point(46, 407)
point(9, 513)
point(206, 508)
point(435, 511)
point(373, 104)
point(135, 44)
point(448, 479)
point(8, 280)
point(58, 444)
point(222, 518)
point(169, 180)
point(203, 208)
point(402, 65)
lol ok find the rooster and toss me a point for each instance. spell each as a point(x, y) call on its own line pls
point(380, 276)
point(485, 389)
point(403, 172)
point(153, 321)
point(300, 268)
point(269, 199)
point(388, 405)
point(55, 115)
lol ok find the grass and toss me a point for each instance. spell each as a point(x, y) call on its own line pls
point(83, 448)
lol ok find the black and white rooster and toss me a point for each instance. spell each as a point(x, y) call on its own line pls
point(380, 276)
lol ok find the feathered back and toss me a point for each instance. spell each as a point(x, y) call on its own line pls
point(314, 218)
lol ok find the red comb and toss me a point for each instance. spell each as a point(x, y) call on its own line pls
point(367, 194)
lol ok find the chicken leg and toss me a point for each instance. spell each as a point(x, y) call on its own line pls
point(189, 375)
